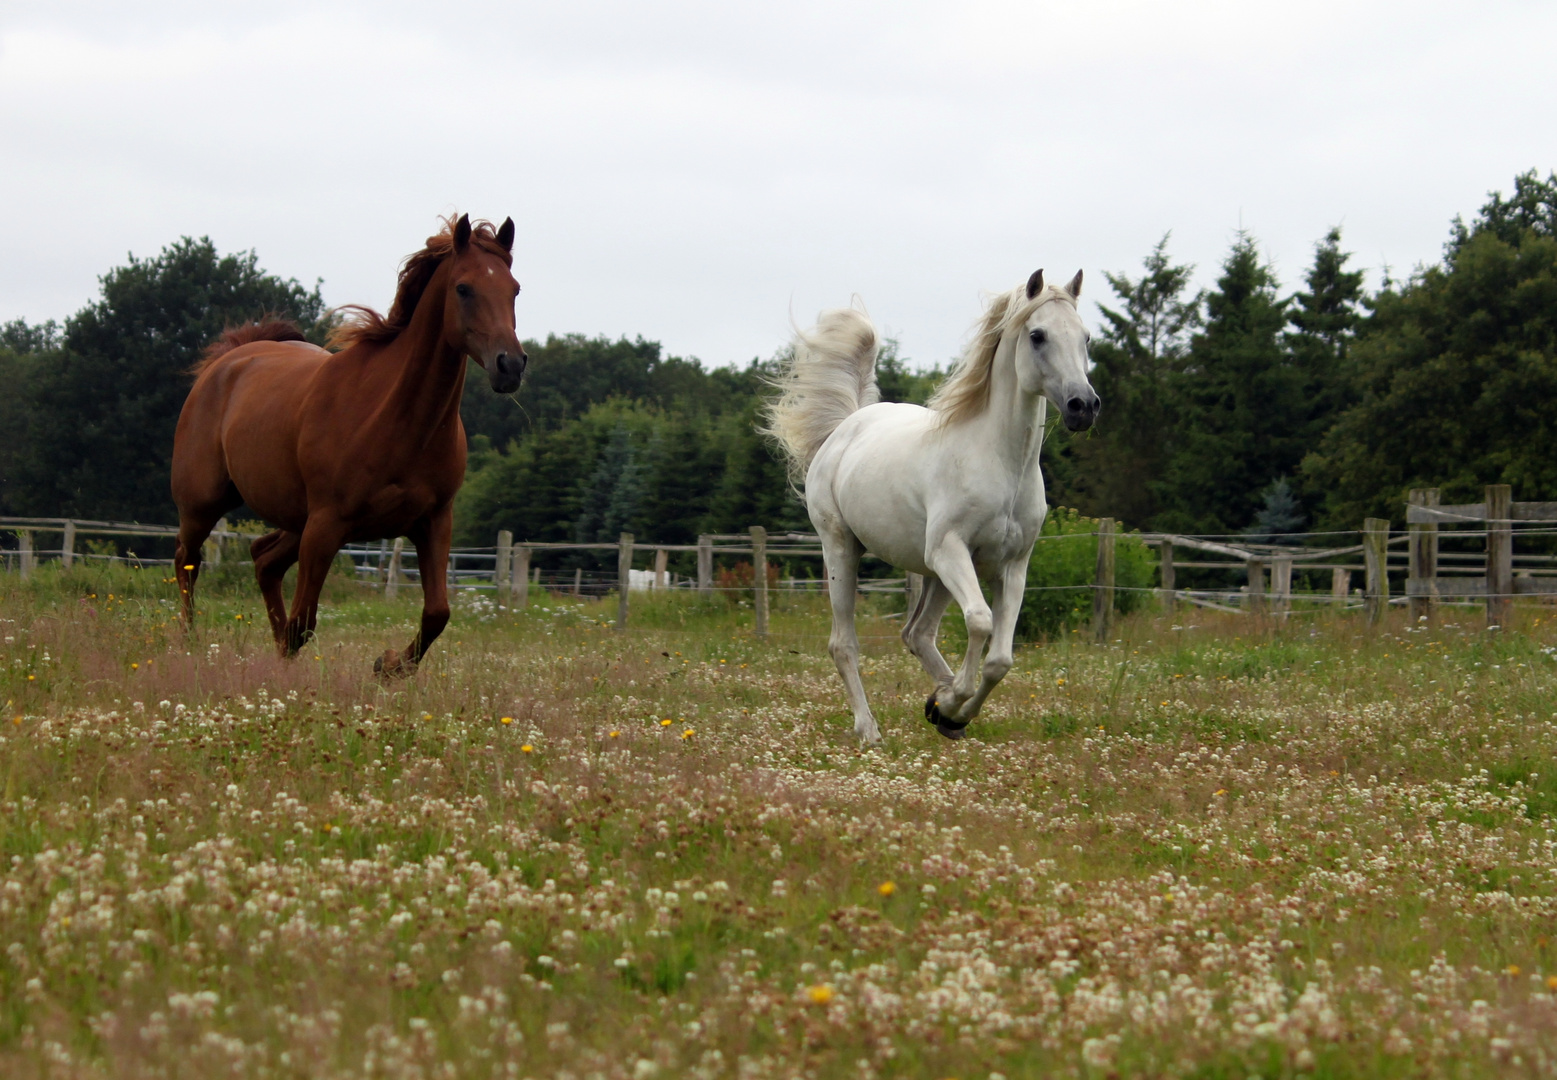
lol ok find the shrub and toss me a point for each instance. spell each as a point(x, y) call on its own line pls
point(737, 583)
point(1063, 567)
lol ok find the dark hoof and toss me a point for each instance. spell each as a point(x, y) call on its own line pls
point(952, 729)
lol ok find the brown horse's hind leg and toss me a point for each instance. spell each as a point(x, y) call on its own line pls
point(432, 540)
point(274, 553)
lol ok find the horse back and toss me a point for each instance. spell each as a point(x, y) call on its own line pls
point(239, 425)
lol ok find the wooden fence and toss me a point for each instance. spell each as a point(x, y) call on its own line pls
point(1501, 575)
point(1495, 575)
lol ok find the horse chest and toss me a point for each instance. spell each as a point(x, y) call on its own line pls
point(1000, 540)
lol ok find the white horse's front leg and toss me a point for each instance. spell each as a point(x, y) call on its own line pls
point(842, 560)
point(1008, 591)
point(953, 564)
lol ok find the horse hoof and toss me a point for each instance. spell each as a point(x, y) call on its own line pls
point(393, 666)
point(952, 729)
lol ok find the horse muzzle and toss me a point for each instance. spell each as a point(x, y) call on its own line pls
point(506, 371)
point(1080, 410)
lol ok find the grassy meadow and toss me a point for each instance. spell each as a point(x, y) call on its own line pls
point(1213, 847)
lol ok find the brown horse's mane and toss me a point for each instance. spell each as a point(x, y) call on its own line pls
point(363, 325)
point(268, 327)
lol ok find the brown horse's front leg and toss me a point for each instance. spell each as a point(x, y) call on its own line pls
point(432, 539)
point(316, 550)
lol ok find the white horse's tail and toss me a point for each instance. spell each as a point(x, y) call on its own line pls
point(831, 374)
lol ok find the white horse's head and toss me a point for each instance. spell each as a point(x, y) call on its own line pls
point(1051, 351)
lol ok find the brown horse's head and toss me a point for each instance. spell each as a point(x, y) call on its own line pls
point(462, 274)
point(479, 295)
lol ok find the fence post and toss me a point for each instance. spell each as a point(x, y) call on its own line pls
point(1281, 584)
point(624, 577)
point(24, 549)
point(212, 549)
point(1500, 554)
point(502, 566)
point(1422, 557)
point(1256, 591)
point(1169, 583)
point(1103, 585)
point(661, 559)
point(1375, 555)
point(392, 582)
point(759, 568)
point(1340, 583)
point(705, 564)
point(67, 547)
point(578, 581)
point(519, 576)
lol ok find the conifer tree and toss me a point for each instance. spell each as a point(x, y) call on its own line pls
point(1241, 403)
point(1117, 469)
point(1456, 372)
point(1326, 317)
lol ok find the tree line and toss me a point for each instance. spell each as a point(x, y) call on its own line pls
point(1235, 409)
point(1242, 410)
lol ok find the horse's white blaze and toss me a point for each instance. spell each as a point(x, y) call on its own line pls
point(953, 491)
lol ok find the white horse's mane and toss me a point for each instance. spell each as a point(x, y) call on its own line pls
point(965, 393)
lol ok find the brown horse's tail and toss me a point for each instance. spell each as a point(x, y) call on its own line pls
point(267, 327)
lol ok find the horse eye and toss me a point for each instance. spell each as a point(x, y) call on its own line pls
point(1038, 337)
point(465, 291)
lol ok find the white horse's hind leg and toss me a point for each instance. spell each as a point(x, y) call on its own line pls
point(843, 563)
point(1008, 592)
point(953, 564)
point(919, 631)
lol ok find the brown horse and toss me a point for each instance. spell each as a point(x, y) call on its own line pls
point(361, 444)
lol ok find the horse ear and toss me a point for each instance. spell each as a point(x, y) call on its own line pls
point(1035, 284)
point(1074, 288)
point(462, 234)
point(505, 235)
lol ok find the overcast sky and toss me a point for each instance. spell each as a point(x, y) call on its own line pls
point(696, 172)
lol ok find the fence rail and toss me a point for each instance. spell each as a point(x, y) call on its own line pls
point(1493, 576)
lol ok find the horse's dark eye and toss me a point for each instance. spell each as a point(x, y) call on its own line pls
point(1038, 337)
point(465, 291)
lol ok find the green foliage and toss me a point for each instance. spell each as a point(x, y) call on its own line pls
point(1279, 517)
point(1064, 566)
point(1117, 469)
point(1325, 319)
point(1241, 403)
point(899, 382)
point(1456, 373)
point(102, 401)
point(570, 374)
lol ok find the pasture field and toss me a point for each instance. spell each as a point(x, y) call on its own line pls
point(1212, 847)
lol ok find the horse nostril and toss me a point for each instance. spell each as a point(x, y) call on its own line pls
point(1076, 405)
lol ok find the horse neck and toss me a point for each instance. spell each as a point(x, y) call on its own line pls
point(426, 393)
point(1015, 418)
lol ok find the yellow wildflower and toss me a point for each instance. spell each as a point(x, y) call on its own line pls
point(886, 888)
point(820, 994)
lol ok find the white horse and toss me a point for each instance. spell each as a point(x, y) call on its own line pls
point(952, 491)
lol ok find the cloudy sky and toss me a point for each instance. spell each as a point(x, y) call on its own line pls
point(697, 172)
